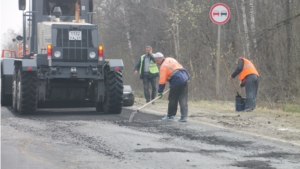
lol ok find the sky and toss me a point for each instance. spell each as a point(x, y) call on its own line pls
point(10, 17)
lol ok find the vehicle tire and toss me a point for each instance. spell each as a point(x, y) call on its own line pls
point(14, 90)
point(113, 100)
point(26, 92)
point(5, 98)
point(128, 103)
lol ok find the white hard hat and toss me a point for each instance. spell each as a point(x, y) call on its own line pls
point(158, 55)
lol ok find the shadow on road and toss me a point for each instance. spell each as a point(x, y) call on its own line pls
point(71, 111)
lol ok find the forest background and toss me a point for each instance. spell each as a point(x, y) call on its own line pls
point(264, 31)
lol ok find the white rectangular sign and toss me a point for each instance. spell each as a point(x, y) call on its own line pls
point(75, 35)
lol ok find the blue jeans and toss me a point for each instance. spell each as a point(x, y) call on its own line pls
point(152, 81)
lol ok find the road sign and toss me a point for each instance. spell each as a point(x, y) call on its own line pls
point(219, 13)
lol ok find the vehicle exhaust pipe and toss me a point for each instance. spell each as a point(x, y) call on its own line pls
point(77, 12)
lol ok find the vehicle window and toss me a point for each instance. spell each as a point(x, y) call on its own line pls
point(67, 7)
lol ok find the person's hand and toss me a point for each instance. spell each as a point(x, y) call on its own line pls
point(136, 72)
point(243, 83)
point(229, 77)
point(160, 95)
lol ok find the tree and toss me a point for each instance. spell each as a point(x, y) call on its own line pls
point(252, 27)
point(265, 31)
point(246, 34)
point(7, 40)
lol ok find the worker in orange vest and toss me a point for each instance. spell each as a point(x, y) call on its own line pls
point(170, 70)
point(248, 75)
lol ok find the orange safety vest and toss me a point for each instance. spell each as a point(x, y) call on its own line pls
point(168, 69)
point(247, 69)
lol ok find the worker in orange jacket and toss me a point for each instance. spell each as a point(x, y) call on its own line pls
point(248, 75)
point(170, 70)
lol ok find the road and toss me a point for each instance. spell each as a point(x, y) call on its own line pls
point(80, 138)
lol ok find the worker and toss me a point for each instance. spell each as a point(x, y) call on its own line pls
point(248, 75)
point(172, 71)
point(148, 71)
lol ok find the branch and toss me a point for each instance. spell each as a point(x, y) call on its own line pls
point(277, 25)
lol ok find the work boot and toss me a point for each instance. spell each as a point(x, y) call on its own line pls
point(167, 118)
point(183, 119)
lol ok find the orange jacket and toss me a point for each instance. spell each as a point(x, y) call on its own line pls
point(167, 69)
point(248, 69)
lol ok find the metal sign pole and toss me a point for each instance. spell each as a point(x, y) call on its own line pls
point(218, 64)
point(219, 13)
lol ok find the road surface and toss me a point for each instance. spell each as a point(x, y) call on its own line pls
point(80, 138)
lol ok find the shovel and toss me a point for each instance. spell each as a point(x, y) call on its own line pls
point(239, 101)
point(238, 95)
point(135, 112)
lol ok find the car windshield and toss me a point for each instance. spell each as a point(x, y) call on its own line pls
point(67, 7)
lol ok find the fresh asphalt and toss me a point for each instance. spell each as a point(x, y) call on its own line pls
point(76, 138)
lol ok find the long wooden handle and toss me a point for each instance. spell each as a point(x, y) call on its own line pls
point(229, 75)
point(152, 100)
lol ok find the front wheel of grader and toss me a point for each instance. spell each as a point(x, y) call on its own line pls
point(26, 92)
point(113, 99)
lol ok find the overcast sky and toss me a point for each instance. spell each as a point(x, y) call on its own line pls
point(10, 17)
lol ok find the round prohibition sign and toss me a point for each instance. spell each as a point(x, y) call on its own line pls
point(219, 13)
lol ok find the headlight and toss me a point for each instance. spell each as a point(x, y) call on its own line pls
point(92, 55)
point(57, 54)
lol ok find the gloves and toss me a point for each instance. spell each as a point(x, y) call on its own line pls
point(243, 83)
point(160, 95)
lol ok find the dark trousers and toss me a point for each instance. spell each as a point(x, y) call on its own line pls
point(251, 88)
point(178, 94)
point(152, 81)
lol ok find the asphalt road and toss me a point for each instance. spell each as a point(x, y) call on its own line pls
point(80, 138)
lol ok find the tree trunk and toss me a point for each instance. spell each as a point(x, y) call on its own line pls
point(192, 72)
point(129, 45)
point(239, 28)
point(175, 31)
point(126, 25)
point(252, 27)
point(247, 55)
point(289, 45)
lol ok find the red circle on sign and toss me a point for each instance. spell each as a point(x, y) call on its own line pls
point(213, 13)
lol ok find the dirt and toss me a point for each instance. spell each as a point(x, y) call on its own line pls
point(271, 124)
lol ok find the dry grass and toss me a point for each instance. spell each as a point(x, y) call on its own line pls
point(229, 107)
point(294, 108)
point(226, 106)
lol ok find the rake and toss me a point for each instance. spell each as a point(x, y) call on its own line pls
point(135, 112)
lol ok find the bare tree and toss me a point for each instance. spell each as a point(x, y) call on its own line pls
point(183, 29)
point(247, 54)
point(239, 27)
point(173, 24)
point(127, 25)
point(289, 45)
point(252, 27)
